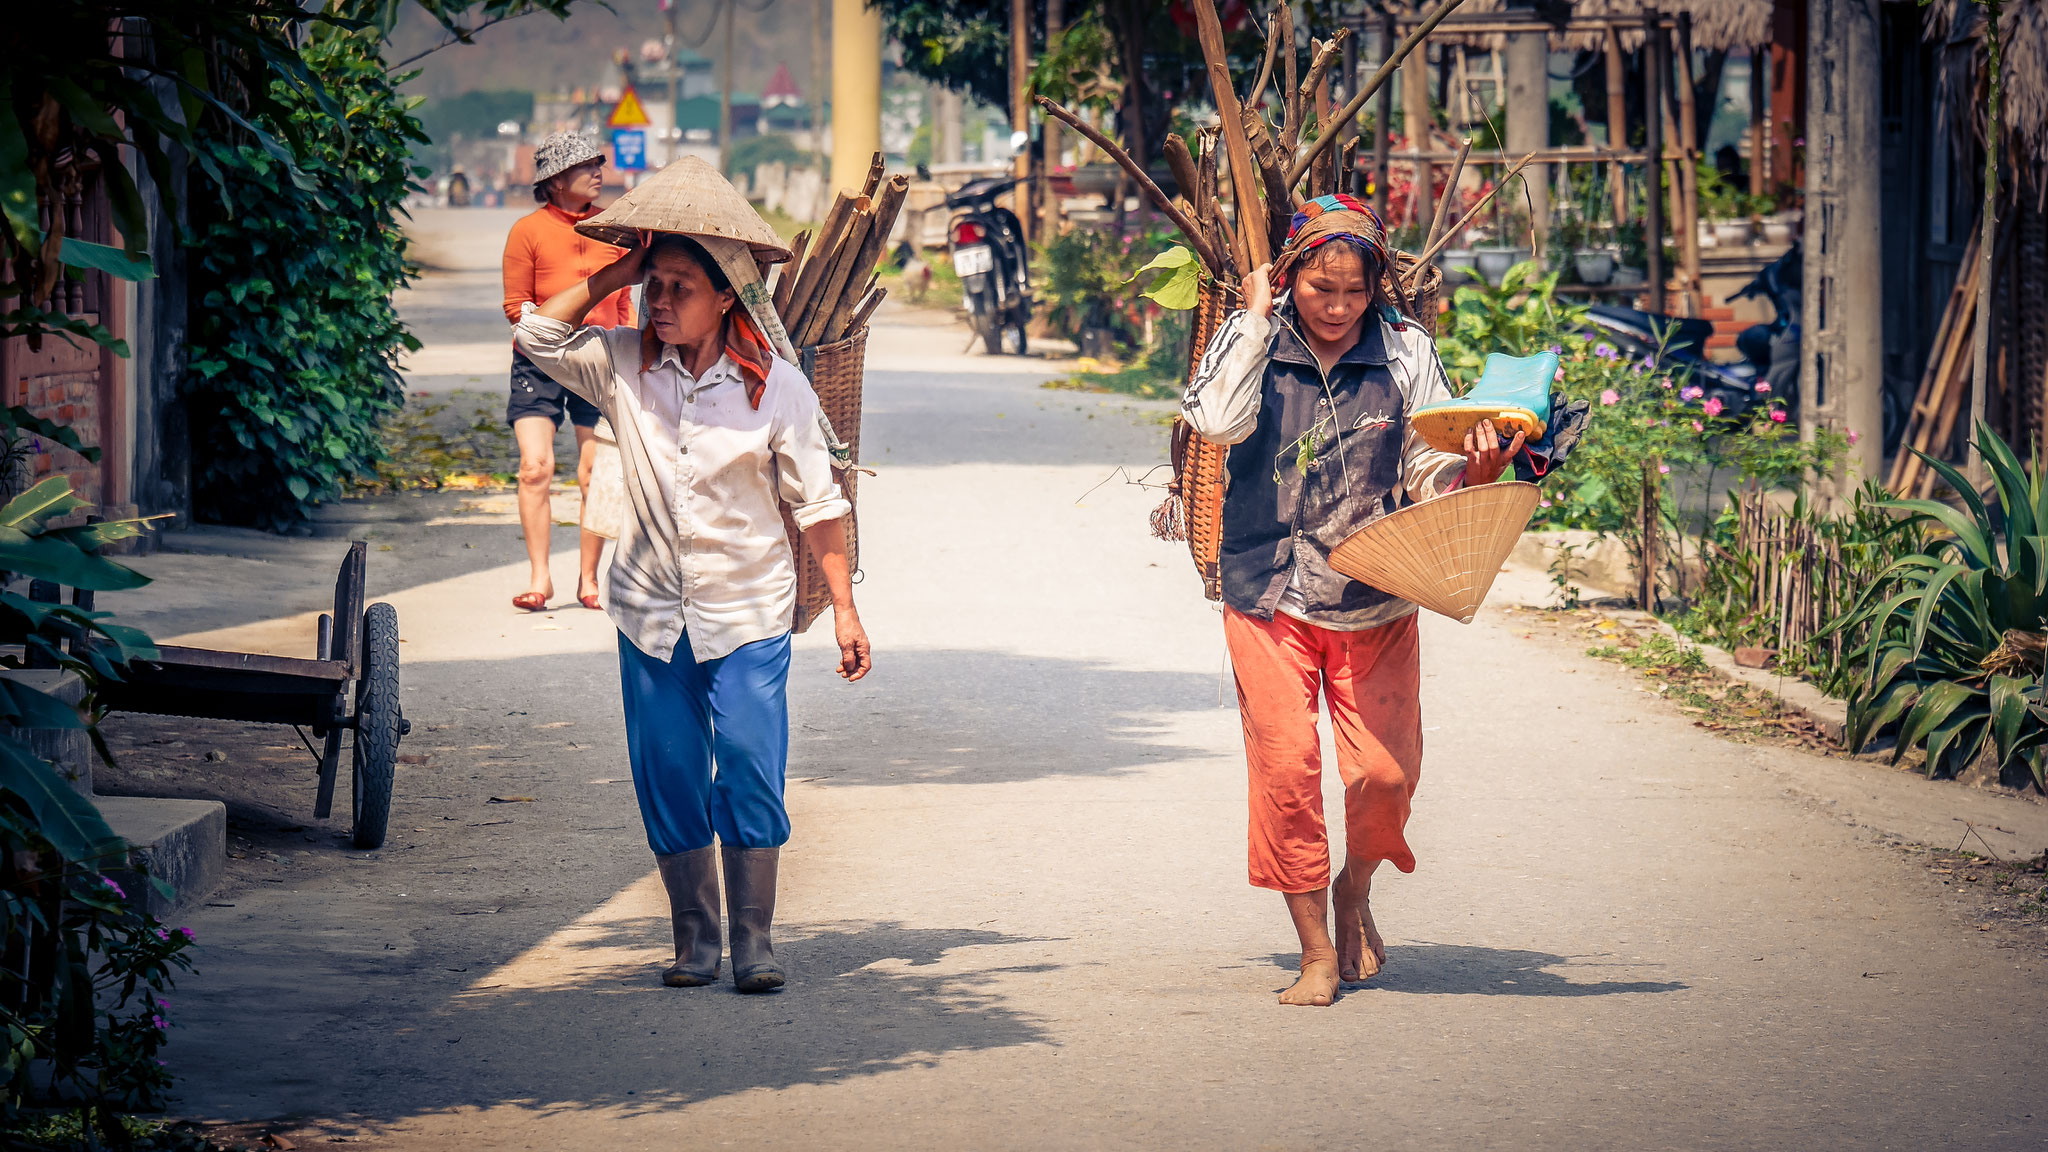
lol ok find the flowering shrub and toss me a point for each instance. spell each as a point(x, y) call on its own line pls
point(1652, 429)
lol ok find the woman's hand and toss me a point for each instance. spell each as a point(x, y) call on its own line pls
point(1485, 458)
point(1258, 290)
point(855, 657)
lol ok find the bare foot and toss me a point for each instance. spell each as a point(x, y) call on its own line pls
point(1317, 986)
point(1360, 951)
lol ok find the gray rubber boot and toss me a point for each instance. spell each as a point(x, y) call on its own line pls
point(692, 882)
point(750, 901)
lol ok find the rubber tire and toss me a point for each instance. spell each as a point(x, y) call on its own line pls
point(378, 725)
point(991, 335)
point(1023, 340)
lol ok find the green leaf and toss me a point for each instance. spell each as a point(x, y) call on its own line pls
point(69, 821)
point(20, 417)
point(27, 707)
point(45, 558)
point(44, 502)
point(2008, 715)
point(1932, 711)
point(107, 258)
point(1181, 282)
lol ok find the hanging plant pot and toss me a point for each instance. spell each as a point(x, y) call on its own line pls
point(1593, 265)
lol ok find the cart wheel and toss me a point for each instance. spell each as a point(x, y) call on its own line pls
point(378, 725)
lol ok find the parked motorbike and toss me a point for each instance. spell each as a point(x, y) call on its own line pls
point(1773, 348)
point(989, 255)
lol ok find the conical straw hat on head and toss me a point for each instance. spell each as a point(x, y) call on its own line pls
point(1441, 554)
point(691, 197)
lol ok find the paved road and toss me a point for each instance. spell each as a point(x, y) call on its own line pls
point(1015, 911)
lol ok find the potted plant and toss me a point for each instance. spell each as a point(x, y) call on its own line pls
point(1631, 254)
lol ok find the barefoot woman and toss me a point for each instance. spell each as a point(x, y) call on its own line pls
point(1313, 390)
point(713, 427)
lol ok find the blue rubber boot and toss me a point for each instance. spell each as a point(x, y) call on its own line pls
point(1513, 392)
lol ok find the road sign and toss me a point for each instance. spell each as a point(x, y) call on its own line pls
point(629, 113)
point(629, 149)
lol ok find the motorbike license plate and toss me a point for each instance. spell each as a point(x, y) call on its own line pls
point(973, 261)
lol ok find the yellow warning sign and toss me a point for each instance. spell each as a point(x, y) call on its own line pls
point(629, 113)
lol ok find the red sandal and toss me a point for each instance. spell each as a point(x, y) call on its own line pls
point(531, 601)
point(591, 603)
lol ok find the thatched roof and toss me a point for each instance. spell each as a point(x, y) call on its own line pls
point(1957, 26)
point(1717, 25)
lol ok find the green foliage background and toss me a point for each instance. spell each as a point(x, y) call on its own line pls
point(294, 339)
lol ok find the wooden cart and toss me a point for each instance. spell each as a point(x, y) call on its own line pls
point(350, 685)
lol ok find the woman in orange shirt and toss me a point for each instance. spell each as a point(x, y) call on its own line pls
point(544, 254)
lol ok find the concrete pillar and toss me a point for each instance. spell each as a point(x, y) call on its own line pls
point(1416, 120)
point(856, 92)
point(1841, 375)
point(1526, 100)
point(949, 145)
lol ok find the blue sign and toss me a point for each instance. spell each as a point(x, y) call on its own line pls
point(629, 149)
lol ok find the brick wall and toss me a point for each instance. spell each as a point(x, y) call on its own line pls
point(59, 382)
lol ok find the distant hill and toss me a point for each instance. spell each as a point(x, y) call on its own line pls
point(540, 54)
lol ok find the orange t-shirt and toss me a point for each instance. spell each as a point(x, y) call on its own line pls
point(544, 254)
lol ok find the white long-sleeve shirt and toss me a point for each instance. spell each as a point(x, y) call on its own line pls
point(703, 551)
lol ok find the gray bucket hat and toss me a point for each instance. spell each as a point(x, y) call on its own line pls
point(561, 152)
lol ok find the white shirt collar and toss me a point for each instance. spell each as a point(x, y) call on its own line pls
point(720, 372)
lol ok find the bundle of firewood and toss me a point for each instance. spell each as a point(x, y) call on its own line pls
point(827, 290)
point(1277, 159)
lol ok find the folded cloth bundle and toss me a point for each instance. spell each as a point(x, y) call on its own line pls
point(1513, 392)
point(1540, 457)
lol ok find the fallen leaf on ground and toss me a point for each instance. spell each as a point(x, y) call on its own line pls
point(415, 757)
point(511, 800)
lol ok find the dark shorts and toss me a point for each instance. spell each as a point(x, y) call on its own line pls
point(535, 393)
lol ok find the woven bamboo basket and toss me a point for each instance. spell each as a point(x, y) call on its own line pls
point(1423, 300)
point(1198, 465)
point(836, 373)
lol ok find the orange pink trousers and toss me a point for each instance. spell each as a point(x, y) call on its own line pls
point(1371, 684)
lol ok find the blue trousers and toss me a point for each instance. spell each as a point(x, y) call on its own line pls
point(709, 744)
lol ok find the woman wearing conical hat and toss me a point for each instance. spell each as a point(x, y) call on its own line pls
point(1312, 387)
point(716, 428)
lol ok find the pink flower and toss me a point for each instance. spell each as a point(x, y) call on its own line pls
point(1559, 378)
point(1777, 415)
point(1763, 388)
point(1853, 437)
point(1713, 406)
point(1610, 397)
point(1664, 469)
point(1666, 382)
point(1698, 427)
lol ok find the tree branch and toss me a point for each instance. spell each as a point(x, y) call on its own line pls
point(1195, 238)
point(1366, 91)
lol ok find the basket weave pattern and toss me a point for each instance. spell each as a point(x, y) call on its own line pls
point(1444, 553)
point(836, 372)
point(1199, 464)
point(1426, 294)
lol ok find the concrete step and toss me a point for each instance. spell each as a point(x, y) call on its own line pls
point(184, 843)
point(70, 749)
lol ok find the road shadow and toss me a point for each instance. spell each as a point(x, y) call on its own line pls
point(969, 717)
point(864, 998)
point(1469, 970)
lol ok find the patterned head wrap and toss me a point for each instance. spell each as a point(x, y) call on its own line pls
point(1327, 218)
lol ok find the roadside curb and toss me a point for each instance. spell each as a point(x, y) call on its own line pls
point(1830, 714)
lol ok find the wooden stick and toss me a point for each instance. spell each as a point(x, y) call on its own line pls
point(1196, 240)
point(1243, 174)
point(1281, 201)
point(859, 320)
point(834, 284)
point(1266, 67)
point(1345, 166)
point(1443, 206)
point(823, 247)
point(1319, 175)
point(841, 324)
point(1327, 55)
point(1429, 253)
point(786, 280)
point(874, 179)
point(1182, 163)
point(1365, 92)
point(1290, 115)
point(863, 268)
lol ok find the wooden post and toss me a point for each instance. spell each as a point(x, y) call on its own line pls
point(1617, 123)
point(1349, 180)
point(1653, 132)
point(1688, 161)
point(1647, 510)
point(1759, 122)
point(1418, 122)
point(725, 92)
point(1050, 132)
point(1020, 107)
point(1383, 127)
